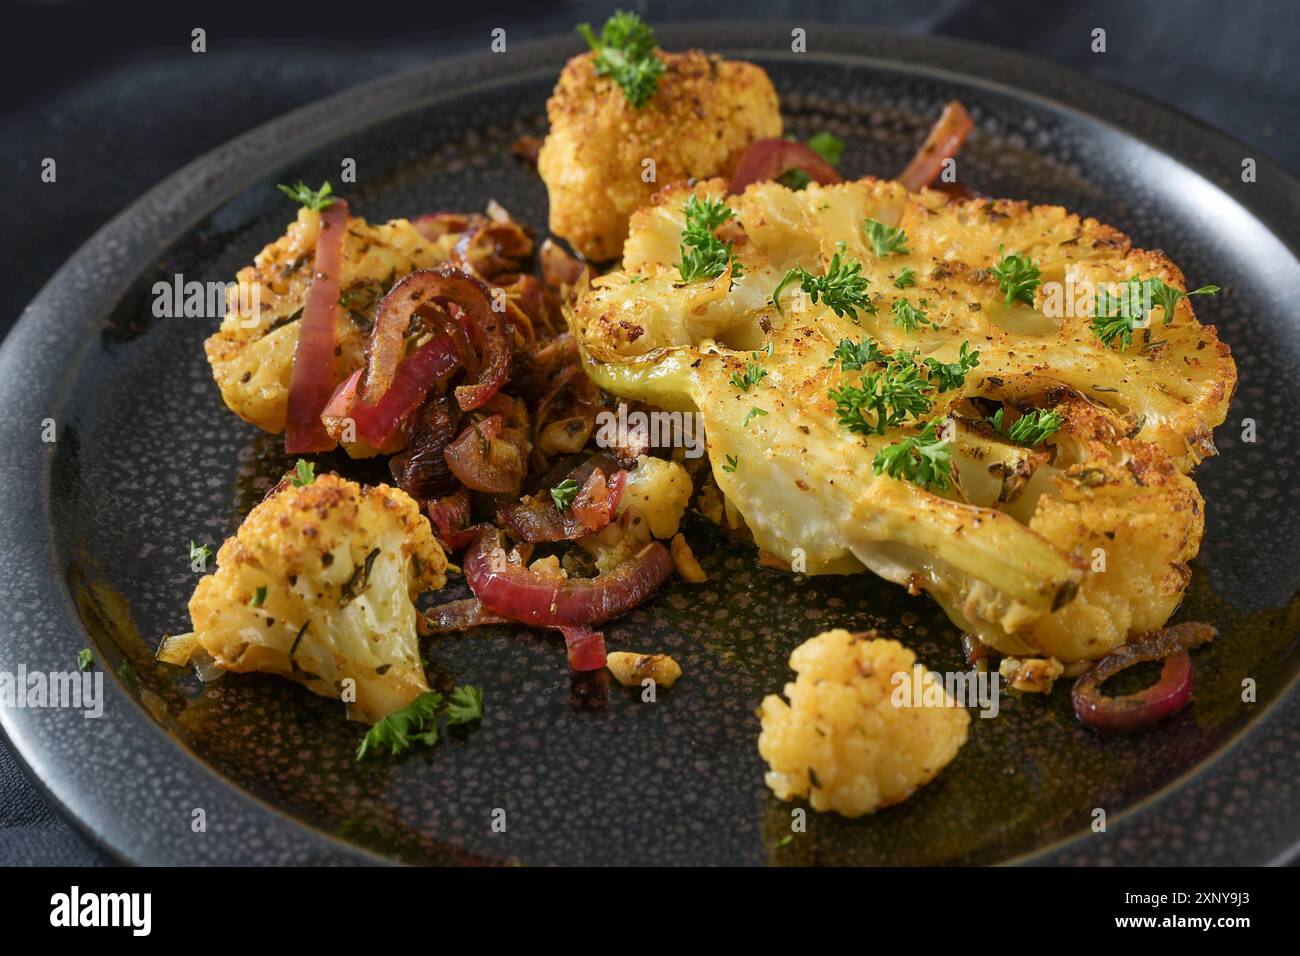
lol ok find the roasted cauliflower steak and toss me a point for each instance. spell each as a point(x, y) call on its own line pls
point(319, 585)
point(596, 160)
point(252, 353)
point(1063, 549)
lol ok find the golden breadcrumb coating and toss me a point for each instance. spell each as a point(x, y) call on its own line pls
point(704, 114)
point(318, 585)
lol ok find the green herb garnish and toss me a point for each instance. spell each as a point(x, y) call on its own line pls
point(754, 412)
point(947, 376)
point(704, 255)
point(305, 196)
point(200, 553)
point(258, 598)
point(1017, 277)
point(85, 659)
point(403, 729)
point(466, 705)
point(730, 466)
point(885, 241)
point(1029, 430)
point(923, 459)
point(843, 288)
point(304, 473)
point(853, 356)
point(906, 278)
point(564, 493)
point(754, 373)
point(882, 399)
point(909, 317)
point(625, 51)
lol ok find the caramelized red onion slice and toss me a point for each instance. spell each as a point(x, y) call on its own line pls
point(586, 648)
point(767, 159)
point(450, 518)
point(538, 519)
point(311, 381)
point(1165, 697)
point(551, 601)
point(442, 285)
point(421, 468)
point(945, 139)
point(458, 616)
point(559, 268)
point(486, 456)
point(377, 424)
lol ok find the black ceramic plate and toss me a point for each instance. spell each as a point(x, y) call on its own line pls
point(95, 525)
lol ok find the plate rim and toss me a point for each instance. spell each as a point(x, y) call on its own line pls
point(155, 220)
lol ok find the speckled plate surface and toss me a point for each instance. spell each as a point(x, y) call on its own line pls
point(94, 527)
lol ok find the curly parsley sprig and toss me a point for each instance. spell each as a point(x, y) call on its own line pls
point(1017, 277)
point(883, 399)
point(924, 459)
point(625, 51)
point(909, 317)
point(1119, 309)
point(950, 375)
point(1030, 429)
point(843, 287)
point(704, 255)
point(416, 724)
point(885, 241)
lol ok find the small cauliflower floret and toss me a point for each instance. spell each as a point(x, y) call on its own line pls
point(318, 585)
point(660, 490)
point(630, 669)
point(841, 742)
point(704, 114)
point(1034, 675)
point(252, 353)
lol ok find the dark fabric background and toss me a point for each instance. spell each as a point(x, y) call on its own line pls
point(112, 91)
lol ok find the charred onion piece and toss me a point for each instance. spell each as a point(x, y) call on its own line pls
point(1167, 696)
point(538, 519)
point(311, 381)
point(429, 365)
point(586, 648)
point(421, 470)
point(486, 458)
point(551, 601)
point(450, 518)
point(945, 139)
point(767, 159)
point(441, 285)
point(559, 268)
point(493, 247)
point(434, 225)
point(458, 616)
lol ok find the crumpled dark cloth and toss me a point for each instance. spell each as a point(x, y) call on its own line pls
point(118, 97)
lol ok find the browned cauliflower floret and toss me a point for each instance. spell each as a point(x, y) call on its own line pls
point(841, 742)
point(319, 585)
point(705, 112)
point(252, 353)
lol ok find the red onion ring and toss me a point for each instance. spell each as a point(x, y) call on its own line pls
point(549, 601)
point(766, 159)
point(377, 424)
point(311, 381)
point(945, 139)
point(442, 284)
point(1167, 696)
